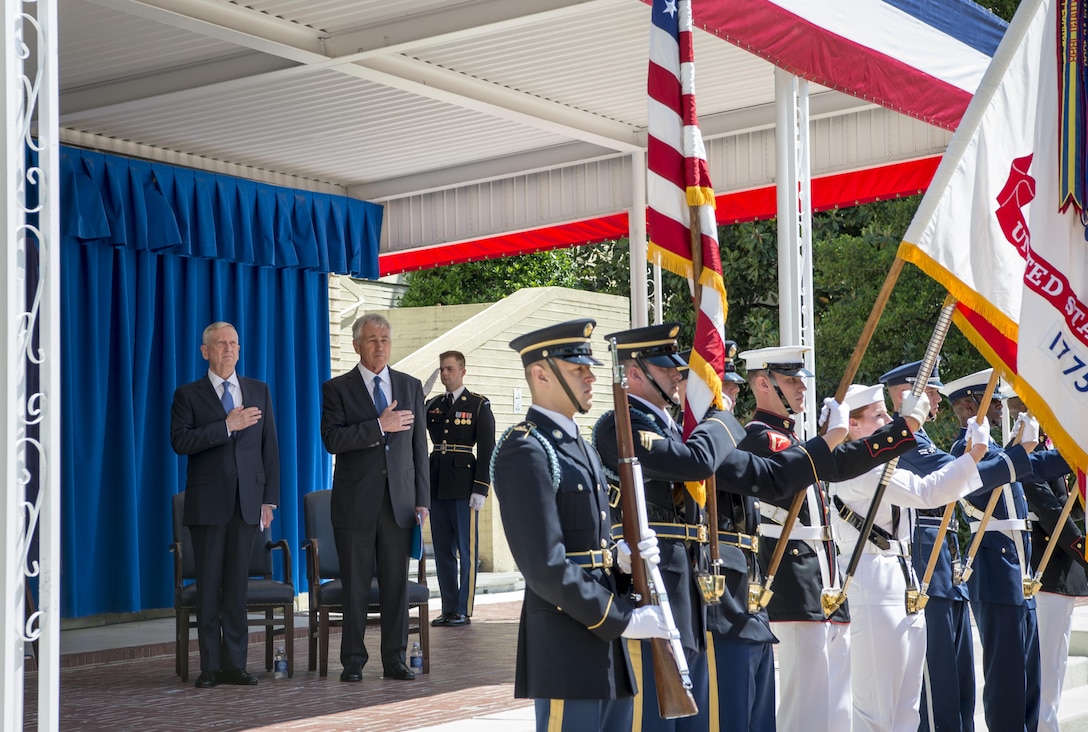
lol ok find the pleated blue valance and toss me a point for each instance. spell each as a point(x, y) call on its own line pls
point(150, 254)
point(143, 205)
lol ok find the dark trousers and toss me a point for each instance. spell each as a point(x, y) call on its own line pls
point(742, 678)
point(1010, 665)
point(646, 713)
point(456, 545)
point(948, 683)
point(221, 553)
point(383, 548)
point(583, 715)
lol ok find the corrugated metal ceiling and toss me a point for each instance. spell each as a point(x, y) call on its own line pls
point(390, 98)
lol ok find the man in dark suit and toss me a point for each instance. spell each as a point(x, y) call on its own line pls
point(380, 491)
point(224, 423)
point(456, 421)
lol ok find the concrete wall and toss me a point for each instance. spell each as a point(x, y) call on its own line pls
point(493, 369)
point(483, 334)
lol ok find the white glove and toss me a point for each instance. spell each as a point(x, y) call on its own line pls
point(836, 414)
point(915, 406)
point(647, 549)
point(727, 403)
point(1030, 427)
point(978, 434)
point(646, 622)
point(476, 501)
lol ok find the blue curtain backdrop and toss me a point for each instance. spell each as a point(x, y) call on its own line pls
point(150, 255)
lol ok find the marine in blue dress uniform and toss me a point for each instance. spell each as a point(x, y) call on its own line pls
point(553, 497)
point(1006, 620)
point(457, 422)
point(814, 655)
point(948, 685)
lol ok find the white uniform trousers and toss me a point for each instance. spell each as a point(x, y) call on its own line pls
point(814, 676)
point(1055, 618)
point(887, 653)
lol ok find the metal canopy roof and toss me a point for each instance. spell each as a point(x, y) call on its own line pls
point(467, 119)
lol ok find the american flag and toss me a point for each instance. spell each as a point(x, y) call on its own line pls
point(681, 196)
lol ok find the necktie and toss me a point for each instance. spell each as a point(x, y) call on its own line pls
point(380, 402)
point(449, 402)
point(227, 399)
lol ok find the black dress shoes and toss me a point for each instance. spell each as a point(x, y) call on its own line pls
point(400, 672)
point(443, 619)
point(458, 619)
point(207, 680)
point(352, 672)
point(237, 677)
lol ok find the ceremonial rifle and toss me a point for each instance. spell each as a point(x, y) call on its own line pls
point(674, 697)
point(936, 341)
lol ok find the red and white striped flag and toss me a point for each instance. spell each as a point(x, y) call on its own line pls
point(680, 196)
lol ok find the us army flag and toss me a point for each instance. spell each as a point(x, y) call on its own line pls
point(989, 230)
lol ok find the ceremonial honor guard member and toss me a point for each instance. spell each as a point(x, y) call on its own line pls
point(553, 498)
point(814, 650)
point(1063, 580)
point(887, 629)
point(948, 681)
point(1005, 619)
point(460, 481)
point(649, 356)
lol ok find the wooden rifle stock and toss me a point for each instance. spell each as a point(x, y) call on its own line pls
point(674, 697)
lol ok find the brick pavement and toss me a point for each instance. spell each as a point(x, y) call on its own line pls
point(472, 671)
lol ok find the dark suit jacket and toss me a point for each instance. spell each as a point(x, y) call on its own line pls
point(365, 459)
point(248, 462)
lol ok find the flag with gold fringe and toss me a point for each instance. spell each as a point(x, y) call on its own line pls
point(991, 228)
point(682, 229)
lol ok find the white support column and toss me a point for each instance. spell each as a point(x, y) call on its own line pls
point(795, 224)
point(49, 485)
point(636, 227)
point(28, 192)
point(12, 375)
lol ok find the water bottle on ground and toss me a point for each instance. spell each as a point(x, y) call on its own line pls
point(415, 658)
point(279, 664)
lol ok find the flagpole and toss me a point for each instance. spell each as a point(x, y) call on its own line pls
point(831, 601)
point(714, 584)
point(761, 597)
point(946, 518)
point(976, 540)
point(1032, 586)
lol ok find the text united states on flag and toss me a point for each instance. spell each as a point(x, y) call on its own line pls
point(680, 195)
point(989, 229)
